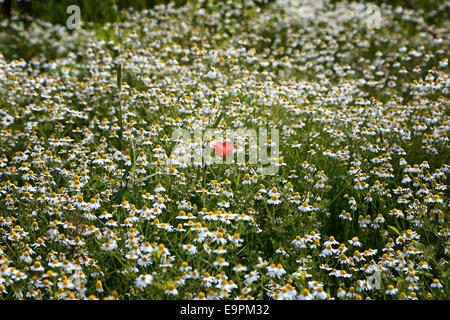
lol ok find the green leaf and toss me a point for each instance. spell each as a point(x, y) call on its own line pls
point(394, 229)
point(117, 197)
point(133, 158)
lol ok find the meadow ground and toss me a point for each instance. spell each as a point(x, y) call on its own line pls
point(226, 150)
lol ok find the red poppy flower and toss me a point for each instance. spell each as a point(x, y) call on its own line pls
point(223, 148)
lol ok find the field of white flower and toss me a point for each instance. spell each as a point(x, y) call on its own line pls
point(98, 202)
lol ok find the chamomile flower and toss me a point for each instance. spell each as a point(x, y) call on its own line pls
point(436, 284)
point(171, 290)
point(391, 290)
point(275, 271)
